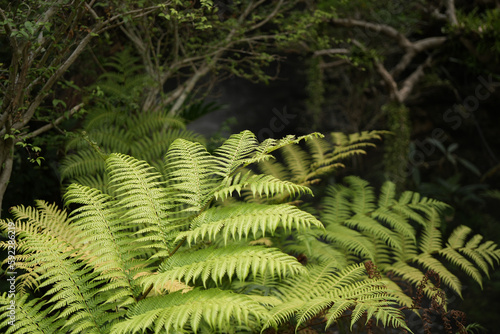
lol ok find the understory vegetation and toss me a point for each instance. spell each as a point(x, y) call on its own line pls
point(208, 244)
point(249, 166)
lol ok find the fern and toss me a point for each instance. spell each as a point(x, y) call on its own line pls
point(116, 123)
point(322, 157)
point(120, 262)
point(400, 235)
point(326, 288)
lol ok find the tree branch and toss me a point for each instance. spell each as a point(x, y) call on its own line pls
point(418, 46)
point(383, 28)
point(389, 80)
point(330, 52)
point(269, 17)
point(410, 82)
point(51, 125)
point(451, 13)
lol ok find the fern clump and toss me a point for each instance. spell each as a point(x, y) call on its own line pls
point(116, 122)
point(400, 235)
point(145, 256)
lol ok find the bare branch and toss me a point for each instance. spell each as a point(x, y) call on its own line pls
point(52, 80)
point(91, 11)
point(51, 125)
point(188, 87)
point(451, 13)
point(389, 80)
point(428, 43)
point(383, 28)
point(418, 46)
point(334, 63)
point(410, 82)
point(330, 52)
point(269, 17)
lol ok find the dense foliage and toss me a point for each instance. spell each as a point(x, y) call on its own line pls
point(163, 233)
point(172, 252)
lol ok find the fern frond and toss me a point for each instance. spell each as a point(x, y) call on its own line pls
point(247, 219)
point(372, 227)
point(104, 117)
point(233, 152)
point(109, 246)
point(73, 287)
point(188, 165)
point(30, 316)
point(458, 236)
point(177, 312)
point(269, 145)
point(326, 288)
point(319, 149)
point(387, 194)
point(82, 163)
point(274, 168)
point(431, 263)
point(337, 205)
point(143, 124)
point(46, 218)
point(258, 184)
point(455, 258)
point(215, 264)
point(297, 162)
point(152, 147)
point(363, 195)
point(430, 240)
point(350, 240)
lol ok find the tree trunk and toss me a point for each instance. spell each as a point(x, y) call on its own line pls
point(6, 162)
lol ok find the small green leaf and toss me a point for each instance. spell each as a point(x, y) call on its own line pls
point(56, 102)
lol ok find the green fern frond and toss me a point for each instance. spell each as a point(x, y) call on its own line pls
point(274, 168)
point(337, 205)
point(363, 195)
point(46, 218)
point(483, 255)
point(113, 139)
point(32, 221)
point(458, 236)
point(430, 263)
point(178, 312)
point(261, 185)
point(455, 258)
point(233, 153)
point(269, 145)
point(145, 123)
point(189, 167)
point(104, 236)
point(241, 221)
point(103, 118)
point(215, 264)
point(431, 239)
point(373, 228)
point(319, 149)
point(350, 240)
point(73, 287)
point(152, 147)
point(297, 162)
point(387, 194)
point(384, 231)
point(29, 316)
point(82, 163)
point(326, 288)
point(97, 181)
